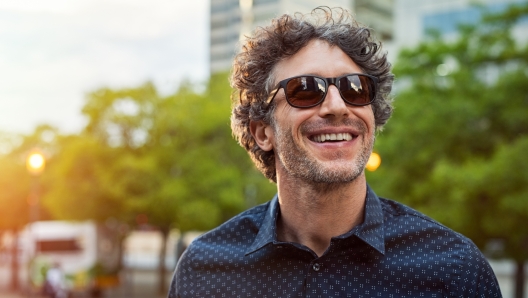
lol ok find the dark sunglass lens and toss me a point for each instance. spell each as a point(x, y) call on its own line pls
point(357, 89)
point(305, 91)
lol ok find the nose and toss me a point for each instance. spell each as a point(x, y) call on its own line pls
point(333, 104)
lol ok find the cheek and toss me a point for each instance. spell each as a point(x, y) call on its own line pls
point(288, 117)
point(367, 115)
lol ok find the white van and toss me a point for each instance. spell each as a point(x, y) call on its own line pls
point(86, 253)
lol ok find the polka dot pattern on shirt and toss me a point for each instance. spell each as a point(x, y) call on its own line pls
point(395, 252)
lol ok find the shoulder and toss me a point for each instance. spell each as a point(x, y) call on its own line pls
point(236, 234)
point(471, 274)
point(404, 218)
point(223, 243)
point(404, 222)
point(242, 226)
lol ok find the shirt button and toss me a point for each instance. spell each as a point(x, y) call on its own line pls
point(316, 267)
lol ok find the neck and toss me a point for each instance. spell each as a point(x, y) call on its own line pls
point(311, 214)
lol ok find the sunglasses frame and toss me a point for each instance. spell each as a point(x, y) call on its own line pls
point(329, 81)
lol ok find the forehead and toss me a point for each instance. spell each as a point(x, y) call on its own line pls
point(318, 57)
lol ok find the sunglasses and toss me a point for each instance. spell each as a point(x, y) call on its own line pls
point(308, 91)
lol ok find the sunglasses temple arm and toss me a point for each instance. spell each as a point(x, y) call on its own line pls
point(272, 95)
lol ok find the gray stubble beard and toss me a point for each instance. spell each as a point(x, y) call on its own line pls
point(299, 164)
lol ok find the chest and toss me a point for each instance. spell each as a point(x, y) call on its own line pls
point(291, 273)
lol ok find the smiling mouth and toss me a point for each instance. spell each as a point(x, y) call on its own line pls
point(332, 137)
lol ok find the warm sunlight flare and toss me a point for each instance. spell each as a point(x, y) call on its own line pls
point(373, 162)
point(35, 163)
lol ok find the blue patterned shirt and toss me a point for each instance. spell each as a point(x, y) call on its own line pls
point(395, 252)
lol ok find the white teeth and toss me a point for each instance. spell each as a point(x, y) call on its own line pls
point(333, 137)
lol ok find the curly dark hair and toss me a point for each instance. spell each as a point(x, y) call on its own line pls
point(253, 69)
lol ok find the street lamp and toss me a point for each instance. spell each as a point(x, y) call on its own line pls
point(35, 164)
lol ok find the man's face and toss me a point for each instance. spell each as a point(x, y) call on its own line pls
point(296, 134)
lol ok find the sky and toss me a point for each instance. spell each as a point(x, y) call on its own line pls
point(54, 52)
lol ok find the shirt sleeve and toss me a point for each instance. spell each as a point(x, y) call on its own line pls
point(477, 278)
point(183, 284)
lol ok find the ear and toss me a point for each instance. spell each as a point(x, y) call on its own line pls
point(263, 134)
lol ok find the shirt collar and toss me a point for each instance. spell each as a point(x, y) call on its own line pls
point(268, 229)
point(371, 231)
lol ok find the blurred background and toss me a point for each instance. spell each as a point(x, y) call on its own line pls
point(116, 149)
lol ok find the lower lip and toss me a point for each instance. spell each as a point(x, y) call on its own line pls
point(331, 145)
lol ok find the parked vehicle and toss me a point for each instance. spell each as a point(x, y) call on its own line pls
point(87, 254)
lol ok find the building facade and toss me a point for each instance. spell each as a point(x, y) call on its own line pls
point(231, 20)
point(414, 18)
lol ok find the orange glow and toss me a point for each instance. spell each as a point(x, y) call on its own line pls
point(373, 162)
point(35, 163)
point(32, 200)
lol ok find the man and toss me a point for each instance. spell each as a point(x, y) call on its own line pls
point(312, 92)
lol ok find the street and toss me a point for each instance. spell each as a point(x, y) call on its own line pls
point(135, 283)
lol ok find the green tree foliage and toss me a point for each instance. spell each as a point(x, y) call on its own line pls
point(456, 146)
point(169, 160)
point(80, 181)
